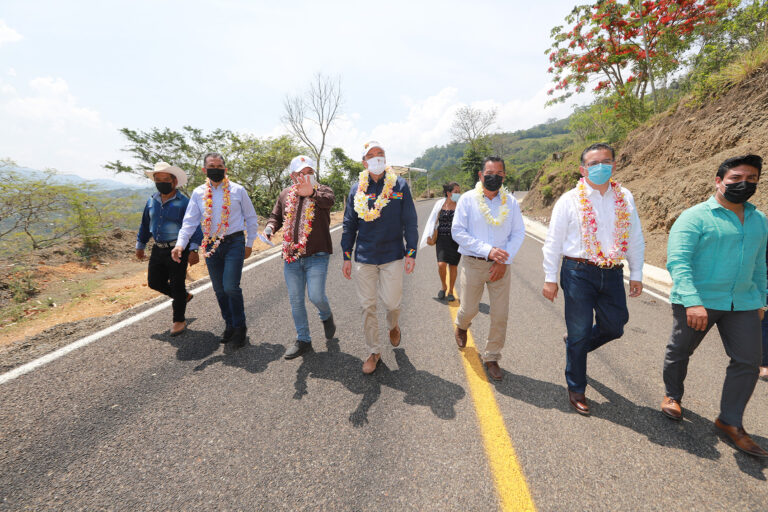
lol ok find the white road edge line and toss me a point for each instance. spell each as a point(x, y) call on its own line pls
point(645, 289)
point(52, 356)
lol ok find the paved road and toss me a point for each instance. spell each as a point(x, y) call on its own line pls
point(140, 421)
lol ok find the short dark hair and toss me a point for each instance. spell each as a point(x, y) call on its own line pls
point(494, 159)
point(448, 187)
point(213, 155)
point(599, 145)
point(735, 161)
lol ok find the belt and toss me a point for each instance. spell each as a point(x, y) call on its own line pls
point(165, 245)
point(590, 262)
point(478, 258)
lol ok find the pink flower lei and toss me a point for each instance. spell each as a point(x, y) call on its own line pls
point(589, 227)
point(294, 248)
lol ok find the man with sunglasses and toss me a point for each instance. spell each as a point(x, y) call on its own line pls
point(594, 227)
point(226, 213)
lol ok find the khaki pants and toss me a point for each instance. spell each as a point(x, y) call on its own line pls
point(387, 279)
point(473, 277)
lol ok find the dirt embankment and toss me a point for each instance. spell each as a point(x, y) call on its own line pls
point(670, 164)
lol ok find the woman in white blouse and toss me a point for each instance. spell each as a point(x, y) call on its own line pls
point(438, 232)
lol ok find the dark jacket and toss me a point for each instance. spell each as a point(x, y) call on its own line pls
point(381, 241)
point(319, 239)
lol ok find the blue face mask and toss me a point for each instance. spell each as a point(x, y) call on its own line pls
point(455, 197)
point(600, 173)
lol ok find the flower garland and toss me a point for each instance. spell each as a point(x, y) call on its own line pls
point(486, 211)
point(589, 227)
point(221, 229)
point(294, 248)
point(361, 199)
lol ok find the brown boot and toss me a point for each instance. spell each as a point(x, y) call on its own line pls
point(579, 402)
point(764, 372)
point(370, 364)
point(178, 328)
point(461, 337)
point(672, 409)
point(494, 370)
point(394, 336)
point(741, 439)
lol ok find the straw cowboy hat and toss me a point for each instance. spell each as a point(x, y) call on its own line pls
point(181, 176)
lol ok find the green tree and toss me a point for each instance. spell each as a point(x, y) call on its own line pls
point(340, 185)
point(349, 168)
point(472, 163)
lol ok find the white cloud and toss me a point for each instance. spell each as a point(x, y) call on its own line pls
point(44, 125)
point(11, 72)
point(7, 34)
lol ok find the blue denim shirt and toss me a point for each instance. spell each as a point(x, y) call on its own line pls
point(716, 261)
point(381, 241)
point(162, 221)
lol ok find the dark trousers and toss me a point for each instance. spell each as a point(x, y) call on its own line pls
point(168, 277)
point(740, 332)
point(225, 266)
point(588, 291)
point(765, 341)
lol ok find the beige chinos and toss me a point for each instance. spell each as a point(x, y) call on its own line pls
point(387, 280)
point(473, 278)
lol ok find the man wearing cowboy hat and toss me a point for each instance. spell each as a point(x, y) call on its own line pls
point(162, 219)
point(303, 210)
point(379, 214)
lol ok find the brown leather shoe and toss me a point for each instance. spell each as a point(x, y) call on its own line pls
point(178, 328)
point(578, 402)
point(394, 336)
point(461, 337)
point(741, 439)
point(494, 370)
point(672, 409)
point(764, 372)
point(370, 364)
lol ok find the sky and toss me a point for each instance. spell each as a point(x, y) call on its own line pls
point(73, 73)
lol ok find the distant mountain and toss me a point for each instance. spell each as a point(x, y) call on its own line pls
point(71, 179)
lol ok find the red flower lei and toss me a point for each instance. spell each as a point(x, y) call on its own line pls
point(293, 249)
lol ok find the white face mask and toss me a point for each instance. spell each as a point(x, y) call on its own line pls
point(376, 165)
point(313, 180)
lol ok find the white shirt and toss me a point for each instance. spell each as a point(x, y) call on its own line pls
point(242, 215)
point(564, 235)
point(431, 223)
point(476, 237)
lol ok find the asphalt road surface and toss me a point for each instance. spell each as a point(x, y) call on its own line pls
point(142, 421)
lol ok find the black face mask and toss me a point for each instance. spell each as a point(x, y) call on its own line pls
point(492, 182)
point(215, 175)
point(739, 192)
point(164, 187)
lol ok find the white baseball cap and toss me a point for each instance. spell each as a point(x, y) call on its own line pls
point(300, 162)
point(370, 145)
point(181, 176)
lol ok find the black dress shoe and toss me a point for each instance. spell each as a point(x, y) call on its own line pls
point(329, 326)
point(238, 338)
point(227, 334)
point(298, 348)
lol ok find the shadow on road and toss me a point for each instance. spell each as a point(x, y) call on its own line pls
point(252, 358)
point(191, 345)
point(420, 387)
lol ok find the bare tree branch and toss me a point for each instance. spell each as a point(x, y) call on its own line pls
point(471, 125)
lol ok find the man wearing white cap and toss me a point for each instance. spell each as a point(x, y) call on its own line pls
point(303, 210)
point(162, 219)
point(379, 213)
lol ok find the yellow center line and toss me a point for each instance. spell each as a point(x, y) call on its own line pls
point(507, 474)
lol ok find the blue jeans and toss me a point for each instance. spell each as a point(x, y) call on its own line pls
point(588, 289)
point(307, 273)
point(225, 266)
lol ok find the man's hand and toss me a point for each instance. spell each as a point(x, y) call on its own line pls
point(498, 255)
point(549, 291)
point(635, 288)
point(346, 269)
point(761, 314)
point(140, 254)
point(497, 271)
point(305, 188)
point(194, 258)
point(176, 253)
point(248, 251)
point(697, 317)
point(410, 264)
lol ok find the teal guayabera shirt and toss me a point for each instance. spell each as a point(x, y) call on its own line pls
point(717, 262)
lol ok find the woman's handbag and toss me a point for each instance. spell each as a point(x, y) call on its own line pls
point(432, 240)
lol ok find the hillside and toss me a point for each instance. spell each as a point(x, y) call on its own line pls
point(670, 163)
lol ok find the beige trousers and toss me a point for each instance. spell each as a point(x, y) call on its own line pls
point(387, 280)
point(473, 277)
